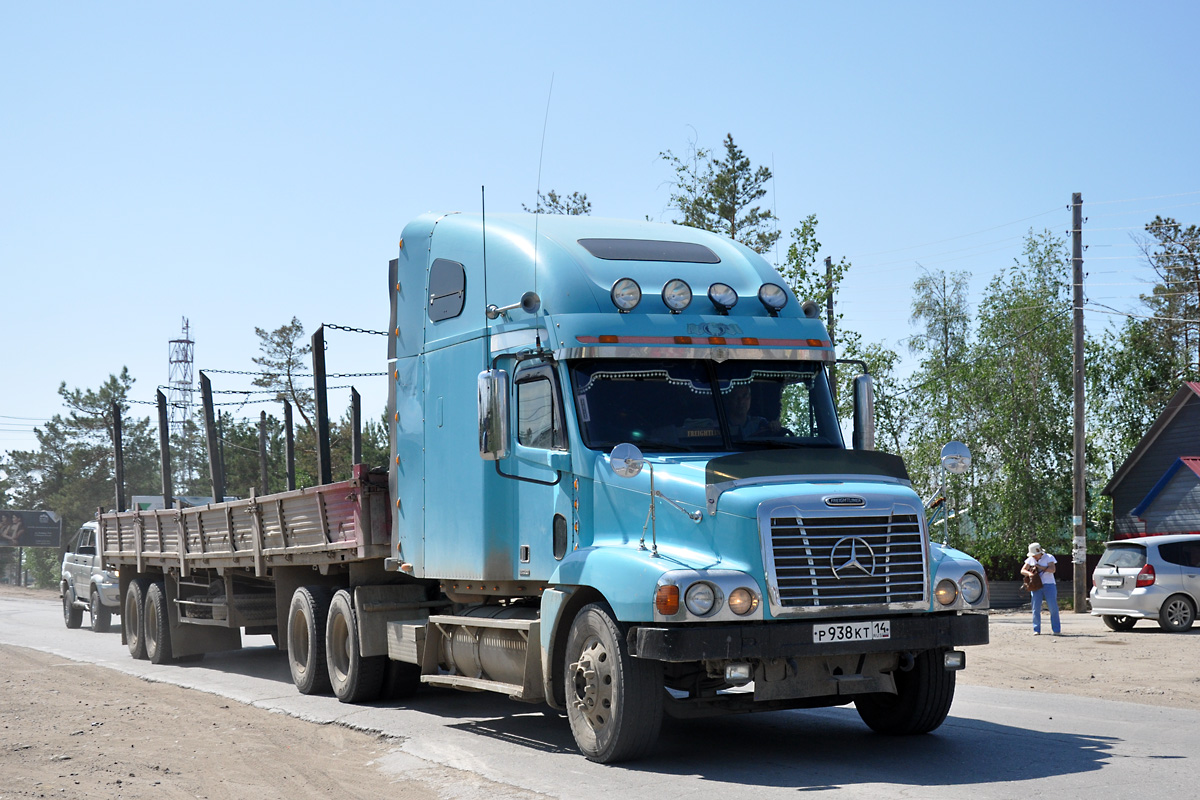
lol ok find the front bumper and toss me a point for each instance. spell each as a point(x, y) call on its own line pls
point(785, 639)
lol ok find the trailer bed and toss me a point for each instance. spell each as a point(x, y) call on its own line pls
point(338, 522)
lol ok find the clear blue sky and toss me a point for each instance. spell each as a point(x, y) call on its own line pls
point(240, 163)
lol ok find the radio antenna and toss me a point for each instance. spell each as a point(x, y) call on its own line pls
point(483, 229)
point(538, 206)
point(541, 154)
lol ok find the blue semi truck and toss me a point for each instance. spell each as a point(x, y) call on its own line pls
point(618, 486)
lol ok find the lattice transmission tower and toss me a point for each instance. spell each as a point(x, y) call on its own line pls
point(180, 381)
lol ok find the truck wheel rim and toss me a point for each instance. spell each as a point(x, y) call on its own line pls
point(593, 679)
point(339, 646)
point(298, 651)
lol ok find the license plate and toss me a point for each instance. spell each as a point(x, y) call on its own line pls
point(852, 631)
point(1112, 583)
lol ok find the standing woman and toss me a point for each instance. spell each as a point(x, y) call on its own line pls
point(1041, 563)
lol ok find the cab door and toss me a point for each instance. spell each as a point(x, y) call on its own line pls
point(541, 465)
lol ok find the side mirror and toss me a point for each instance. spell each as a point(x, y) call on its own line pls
point(864, 413)
point(956, 458)
point(492, 386)
point(626, 460)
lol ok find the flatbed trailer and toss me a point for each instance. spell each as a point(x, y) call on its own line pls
point(193, 578)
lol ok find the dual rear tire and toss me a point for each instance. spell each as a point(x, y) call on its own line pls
point(325, 651)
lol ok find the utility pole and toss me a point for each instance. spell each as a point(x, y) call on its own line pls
point(829, 325)
point(1079, 508)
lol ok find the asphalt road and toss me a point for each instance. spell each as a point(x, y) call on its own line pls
point(996, 743)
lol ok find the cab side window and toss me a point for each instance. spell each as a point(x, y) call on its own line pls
point(539, 411)
point(87, 542)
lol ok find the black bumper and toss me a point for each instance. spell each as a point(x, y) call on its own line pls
point(779, 639)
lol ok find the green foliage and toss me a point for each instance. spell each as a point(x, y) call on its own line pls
point(720, 194)
point(1153, 356)
point(576, 203)
point(71, 471)
point(1018, 392)
point(284, 361)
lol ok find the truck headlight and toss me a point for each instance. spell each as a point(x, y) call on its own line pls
point(700, 599)
point(947, 592)
point(971, 587)
point(742, 601)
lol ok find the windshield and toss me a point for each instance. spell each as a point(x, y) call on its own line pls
point(703, 406)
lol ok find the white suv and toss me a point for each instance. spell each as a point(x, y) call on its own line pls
point(86, 585)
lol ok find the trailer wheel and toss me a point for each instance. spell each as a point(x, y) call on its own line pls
point(158, 625)
point(355, 678)
point(72, 615)
point(614, 701)
point(306, 639)
point(921, 703)
point(133, 621)
point(100, 613)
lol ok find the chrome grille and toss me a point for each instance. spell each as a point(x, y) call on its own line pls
point(819, 562)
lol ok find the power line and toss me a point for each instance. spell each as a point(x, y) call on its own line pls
point(1140, 199)
point(1113, 312)
point(1145, 210)
point(961, 236)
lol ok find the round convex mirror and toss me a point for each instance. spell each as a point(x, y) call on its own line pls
point(626, 460)
point(956, 458)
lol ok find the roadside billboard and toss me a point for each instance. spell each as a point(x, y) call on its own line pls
point(29, 528)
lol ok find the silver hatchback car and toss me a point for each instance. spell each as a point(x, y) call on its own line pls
point(1151, 577)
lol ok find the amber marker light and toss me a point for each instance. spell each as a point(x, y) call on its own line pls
point(666, 600)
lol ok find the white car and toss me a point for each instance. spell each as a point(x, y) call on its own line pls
point(1150, 577)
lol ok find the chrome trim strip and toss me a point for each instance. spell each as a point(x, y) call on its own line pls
point(710, 352)
point(713, 491)
point(526, 337)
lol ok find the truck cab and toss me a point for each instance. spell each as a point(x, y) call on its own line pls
point(615, 442)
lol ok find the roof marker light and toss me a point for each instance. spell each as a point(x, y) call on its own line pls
point(723, 297)
point(773, 297)
point(677, 295)
point(626, 294)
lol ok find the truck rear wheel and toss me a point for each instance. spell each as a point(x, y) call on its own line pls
point(101, 615)
point(306, 639)
point(921, 703)
point(133, 617)
point(614, 701)
point(355, 678)
point(158, 625)
point(72, 614)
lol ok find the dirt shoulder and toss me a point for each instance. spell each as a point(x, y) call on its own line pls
point(71, 730)
point(1145, 665)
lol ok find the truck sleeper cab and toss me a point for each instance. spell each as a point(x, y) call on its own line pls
point(753, 563)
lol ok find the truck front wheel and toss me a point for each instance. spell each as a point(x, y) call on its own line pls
point(614, 701)
point(921, 703)
point(306, 639)
point(355, 678)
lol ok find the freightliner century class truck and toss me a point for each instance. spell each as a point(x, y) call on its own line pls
point(618, 486)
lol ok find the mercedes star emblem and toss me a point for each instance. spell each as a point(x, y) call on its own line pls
point(852, 552)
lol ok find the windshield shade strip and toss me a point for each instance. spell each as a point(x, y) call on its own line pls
point(733, 341)
point(712, 353)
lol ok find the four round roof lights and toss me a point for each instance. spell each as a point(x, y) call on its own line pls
point(677, 296)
